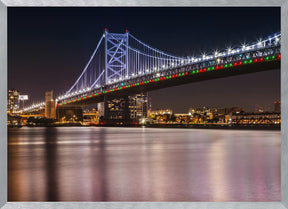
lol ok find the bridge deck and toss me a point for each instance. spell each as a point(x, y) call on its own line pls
point(184, 78)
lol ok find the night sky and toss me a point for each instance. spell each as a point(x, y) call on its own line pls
point(49, 47)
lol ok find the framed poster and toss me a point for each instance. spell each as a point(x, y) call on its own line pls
point(178, 160)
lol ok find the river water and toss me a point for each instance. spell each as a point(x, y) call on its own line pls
point(143, 164)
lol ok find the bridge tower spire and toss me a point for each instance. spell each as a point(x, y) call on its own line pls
point(116, 56)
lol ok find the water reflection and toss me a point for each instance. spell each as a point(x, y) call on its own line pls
point(135, 164)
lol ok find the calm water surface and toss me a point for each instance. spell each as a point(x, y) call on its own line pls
point(143, 164)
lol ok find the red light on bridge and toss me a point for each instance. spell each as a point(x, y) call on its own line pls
point(58, 105)
point(126, 30)
point(115, 89)
point(235, 64)
point(255, 60)
point(186, 73)
point(105, 29)
point(240, 63)
point(101, 123)
point(279, 56)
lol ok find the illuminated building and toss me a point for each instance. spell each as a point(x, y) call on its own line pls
point(138, 106)
point(257, 118)
point(13, 100)
point(91, 116)
point(50, 105)
point(162, 115)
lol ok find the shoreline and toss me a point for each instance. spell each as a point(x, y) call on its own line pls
point(217, 126)
point(186, 126)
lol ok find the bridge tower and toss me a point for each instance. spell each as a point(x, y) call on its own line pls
point(116, 56)
point(121, 109)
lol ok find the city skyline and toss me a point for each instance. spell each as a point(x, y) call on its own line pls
point(37, 54)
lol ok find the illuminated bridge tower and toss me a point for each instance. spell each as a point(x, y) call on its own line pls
point(119, 109)
point(116, 56)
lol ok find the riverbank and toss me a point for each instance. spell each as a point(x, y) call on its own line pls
point(219, 126)
point(190, 126)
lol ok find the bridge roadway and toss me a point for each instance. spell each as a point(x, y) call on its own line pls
point(174, 77)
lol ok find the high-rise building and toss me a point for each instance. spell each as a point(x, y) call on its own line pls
point(277, 106)
point(138, 106)
point(13, 100)
point(50, 105)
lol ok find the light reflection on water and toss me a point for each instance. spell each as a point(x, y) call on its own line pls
point(143, 164)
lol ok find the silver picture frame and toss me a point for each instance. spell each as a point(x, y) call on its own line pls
point(4, 4)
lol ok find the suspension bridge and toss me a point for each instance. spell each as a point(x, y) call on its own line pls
point(123, 65)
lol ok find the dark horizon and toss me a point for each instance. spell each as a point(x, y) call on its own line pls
point(45, 41)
